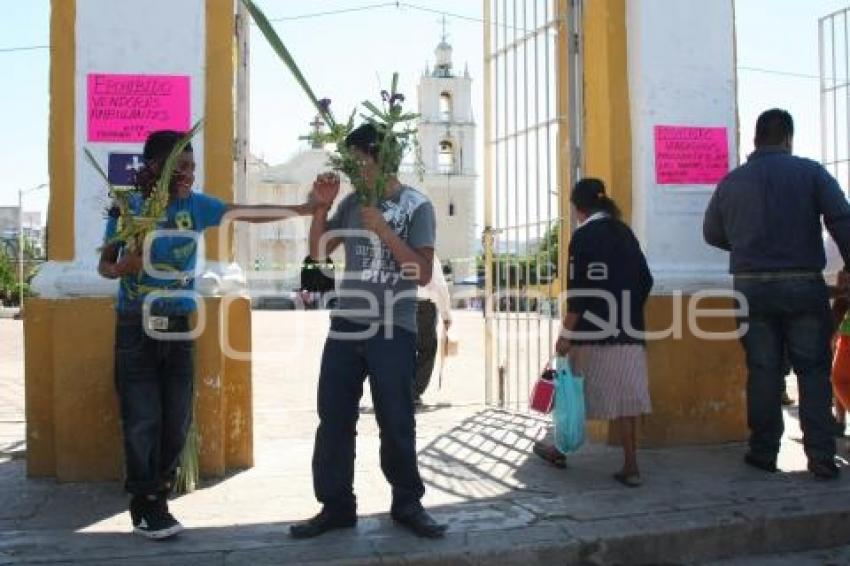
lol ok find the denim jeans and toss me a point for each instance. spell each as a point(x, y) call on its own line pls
point(346, 361)
point(792, 315)
point(154, 379)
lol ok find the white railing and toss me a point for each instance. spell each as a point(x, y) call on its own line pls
point(834, 51)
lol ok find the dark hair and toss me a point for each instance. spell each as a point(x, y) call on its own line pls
point(157, 148)
point(367, 138)
point(588, 195)
point(160, 143)
point(317, 276)
point(773, 127)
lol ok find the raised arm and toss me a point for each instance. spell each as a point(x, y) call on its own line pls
point(325, 190)
point(258, 213)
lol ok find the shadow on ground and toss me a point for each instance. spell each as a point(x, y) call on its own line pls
point(697, 503)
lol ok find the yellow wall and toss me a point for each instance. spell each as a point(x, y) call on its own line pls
point(697, 386)
point(219, 116)
point(607, 134)
point(61, 147)
point(73, 423)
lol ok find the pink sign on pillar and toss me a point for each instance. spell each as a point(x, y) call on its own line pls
point(126, 108)
point(686, 155)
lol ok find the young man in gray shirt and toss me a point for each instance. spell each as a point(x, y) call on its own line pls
point(389, 251)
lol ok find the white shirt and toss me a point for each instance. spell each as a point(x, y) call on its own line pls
point(595, 216)
point(437, 291)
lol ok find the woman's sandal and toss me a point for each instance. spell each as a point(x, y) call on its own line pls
point(628, 480)
point(550, 454)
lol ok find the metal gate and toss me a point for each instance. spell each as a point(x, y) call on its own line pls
point(835, 94)
point(532, 132)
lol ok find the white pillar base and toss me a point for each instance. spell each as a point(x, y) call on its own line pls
point(61, 279)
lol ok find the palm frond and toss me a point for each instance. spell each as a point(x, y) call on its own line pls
point(276, 43)
point(93, 162)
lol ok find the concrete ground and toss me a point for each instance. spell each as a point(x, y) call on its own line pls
point(504, 506)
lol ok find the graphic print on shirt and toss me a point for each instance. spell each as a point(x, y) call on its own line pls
point(183, 220)
point(384, 269)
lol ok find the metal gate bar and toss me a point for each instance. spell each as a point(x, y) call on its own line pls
point(529, 159)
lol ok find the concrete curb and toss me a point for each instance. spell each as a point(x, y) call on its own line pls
point(686, 536)
point(8, 312)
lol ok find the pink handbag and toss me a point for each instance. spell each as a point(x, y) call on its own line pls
point(543, 393)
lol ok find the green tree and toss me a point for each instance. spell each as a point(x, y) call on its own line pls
point(9, 287)
point(8, 278)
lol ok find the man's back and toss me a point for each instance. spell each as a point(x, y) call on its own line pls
point(767, 213)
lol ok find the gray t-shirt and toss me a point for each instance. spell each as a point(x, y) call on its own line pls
point(373, 288)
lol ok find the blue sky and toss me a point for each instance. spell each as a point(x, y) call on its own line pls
point(347, 56)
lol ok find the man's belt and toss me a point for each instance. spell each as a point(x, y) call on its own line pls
point(779, 275)
point(158, 323)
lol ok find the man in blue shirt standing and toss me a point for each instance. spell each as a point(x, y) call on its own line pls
point(767, 213)
point(155, 375)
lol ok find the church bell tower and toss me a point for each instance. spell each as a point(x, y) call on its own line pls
point(447, 145)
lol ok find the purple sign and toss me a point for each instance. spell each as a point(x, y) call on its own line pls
point(123, 168)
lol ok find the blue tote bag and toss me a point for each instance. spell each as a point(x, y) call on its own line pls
point(568, 415)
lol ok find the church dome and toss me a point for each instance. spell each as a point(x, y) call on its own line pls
point(443, 54)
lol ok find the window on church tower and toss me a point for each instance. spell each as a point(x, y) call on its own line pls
point(446, 158)
point(446, 106)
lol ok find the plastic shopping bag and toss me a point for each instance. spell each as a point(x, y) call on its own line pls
point(568, 415)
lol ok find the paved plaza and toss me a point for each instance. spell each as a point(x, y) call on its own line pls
point(504, 506)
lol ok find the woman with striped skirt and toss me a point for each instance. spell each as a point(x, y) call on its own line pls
point(607, 271)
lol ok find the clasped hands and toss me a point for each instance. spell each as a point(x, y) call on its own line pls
point(325, 191)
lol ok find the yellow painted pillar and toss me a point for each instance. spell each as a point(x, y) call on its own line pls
point(73, 425)
point(697, 385)
point(607, 133)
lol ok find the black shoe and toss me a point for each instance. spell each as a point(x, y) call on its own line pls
point(323, 522)
point(762, 463)
point(421, 524)
point(824, 469)
point(151, 518)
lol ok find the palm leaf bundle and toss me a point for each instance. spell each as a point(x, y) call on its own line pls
point(134, 222)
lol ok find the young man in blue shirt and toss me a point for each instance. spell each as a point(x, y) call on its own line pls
point(155, 376)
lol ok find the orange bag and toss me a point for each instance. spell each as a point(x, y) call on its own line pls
point(841, 370)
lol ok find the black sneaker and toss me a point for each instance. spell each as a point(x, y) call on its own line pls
point(151, 518)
